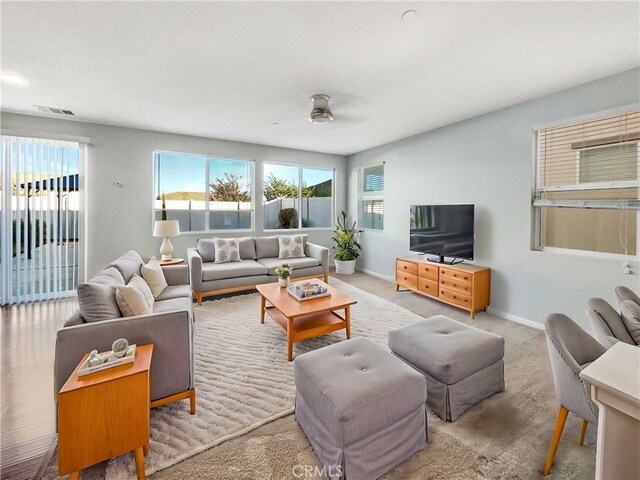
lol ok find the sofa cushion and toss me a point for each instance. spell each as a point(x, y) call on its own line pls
point(128, 264)
point(630, 313)
point(267, 247)
point(97, 297)
point(154, 276)
point(74, 319)
point(173, 304)
point(272, 263)
point(220, 271)
point(373, 390)
point(290, 246)
point(447, 350)
point(175, 291)
point(207, 249)
point(227, 250)
point(131, 301)
point(139, 282)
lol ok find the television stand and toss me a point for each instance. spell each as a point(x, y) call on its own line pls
point(463, 286)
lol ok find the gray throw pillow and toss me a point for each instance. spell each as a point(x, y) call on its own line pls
point(97, 297)
point(630, 313)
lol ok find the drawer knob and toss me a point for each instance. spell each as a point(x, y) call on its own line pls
point(405, 267)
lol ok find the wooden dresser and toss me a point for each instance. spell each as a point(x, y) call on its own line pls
point(463, 286)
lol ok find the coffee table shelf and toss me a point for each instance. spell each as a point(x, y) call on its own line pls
point(303, 320)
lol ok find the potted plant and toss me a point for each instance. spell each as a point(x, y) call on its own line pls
point(346, 249)
point(283, 273)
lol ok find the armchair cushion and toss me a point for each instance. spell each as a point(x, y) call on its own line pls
point(630, 312)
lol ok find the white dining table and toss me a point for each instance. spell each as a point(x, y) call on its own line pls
point(615, 388)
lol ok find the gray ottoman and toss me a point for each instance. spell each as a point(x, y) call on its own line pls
point(463, 365)
point(362, 409)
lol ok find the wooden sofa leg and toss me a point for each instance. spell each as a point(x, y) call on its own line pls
point(192, 400)
point(562, 418)
point(199, 297)
point(326, 278)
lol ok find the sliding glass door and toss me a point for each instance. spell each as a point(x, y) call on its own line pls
point(39, 213)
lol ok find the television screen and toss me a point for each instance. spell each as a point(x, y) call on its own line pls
point(443, 230)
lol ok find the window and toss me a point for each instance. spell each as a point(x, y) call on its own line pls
point(586, 186)
point(204, 193)
point(296, 196)
point(371, 201)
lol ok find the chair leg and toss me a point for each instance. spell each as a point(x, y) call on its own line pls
point(583, 430)
point(557, 433)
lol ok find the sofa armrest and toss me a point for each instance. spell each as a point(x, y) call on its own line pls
point(321, 253)
point(195, 268)
point(171, 334)
point(176, 274)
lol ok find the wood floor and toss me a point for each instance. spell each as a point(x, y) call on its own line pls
point(27, 336)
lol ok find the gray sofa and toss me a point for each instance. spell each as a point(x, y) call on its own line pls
point(170, 328)
point(259, 260)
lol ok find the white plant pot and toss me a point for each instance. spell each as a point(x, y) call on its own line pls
point(283, 282)
point(345, 267)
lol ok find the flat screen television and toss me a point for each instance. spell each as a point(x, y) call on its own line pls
point(443, 230)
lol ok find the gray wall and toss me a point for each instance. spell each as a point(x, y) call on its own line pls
point(120, 219)
point(487, 161)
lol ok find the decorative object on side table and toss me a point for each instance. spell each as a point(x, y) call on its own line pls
point(346, 249)
point(119, 347)
point(105, 360)
point(283, 272)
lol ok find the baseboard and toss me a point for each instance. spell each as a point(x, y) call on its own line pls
point(515, 318)
point(376, 274)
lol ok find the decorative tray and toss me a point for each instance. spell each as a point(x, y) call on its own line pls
point(303, 291)
point(112, 361)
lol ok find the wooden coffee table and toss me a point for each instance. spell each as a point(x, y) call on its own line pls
point(307, 319)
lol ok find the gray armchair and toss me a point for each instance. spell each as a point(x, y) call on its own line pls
point(571, 349)
point(623, 293)
point(607, 323)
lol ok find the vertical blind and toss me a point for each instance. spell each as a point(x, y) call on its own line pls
point(39, 208)
point(578, 159)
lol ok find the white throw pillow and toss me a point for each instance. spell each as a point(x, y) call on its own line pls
point(153, 275)
point(291, 246)
point(138, 282)
point(131, 301)
point(630, 313)
point(227, 250)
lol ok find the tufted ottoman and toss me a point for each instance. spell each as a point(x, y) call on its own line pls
point(362, 409)
point(463, 365)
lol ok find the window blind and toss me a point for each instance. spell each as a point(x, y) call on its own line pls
point(596, 155)
point(373, 179)
point(372, 214)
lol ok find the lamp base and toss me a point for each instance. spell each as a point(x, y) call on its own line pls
point(166, 249)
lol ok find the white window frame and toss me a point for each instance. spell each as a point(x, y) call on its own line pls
point(368, 196)
point(207, 212)
point(536, 216)
point(300, 170)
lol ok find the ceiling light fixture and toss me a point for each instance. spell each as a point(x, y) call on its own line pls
point(14, 79)
point(320, 112)
point(275, 124)
point(409, 15)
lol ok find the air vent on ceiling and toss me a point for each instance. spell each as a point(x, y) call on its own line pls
point(57, 111)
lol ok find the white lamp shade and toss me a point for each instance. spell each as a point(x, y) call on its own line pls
point(166, 228)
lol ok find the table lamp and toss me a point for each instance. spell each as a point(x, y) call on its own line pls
point(166, 229)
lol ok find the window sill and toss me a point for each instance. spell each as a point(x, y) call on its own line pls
point(588, 254)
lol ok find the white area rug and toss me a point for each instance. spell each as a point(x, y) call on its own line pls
point(243, 379)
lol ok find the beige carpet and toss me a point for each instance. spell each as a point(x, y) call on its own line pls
point(243, 380)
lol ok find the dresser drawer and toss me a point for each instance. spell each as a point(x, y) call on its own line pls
point(407, 267)
point(453, 274)
point(406, 280)
point(456, 285)
point(455, 296)
point(430, 272)
point(428, 286)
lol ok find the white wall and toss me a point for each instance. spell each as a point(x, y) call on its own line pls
point(487, 161)
point(120, 219)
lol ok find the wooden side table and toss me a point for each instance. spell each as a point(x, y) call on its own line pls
point(105, 414)
point(173, 261)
